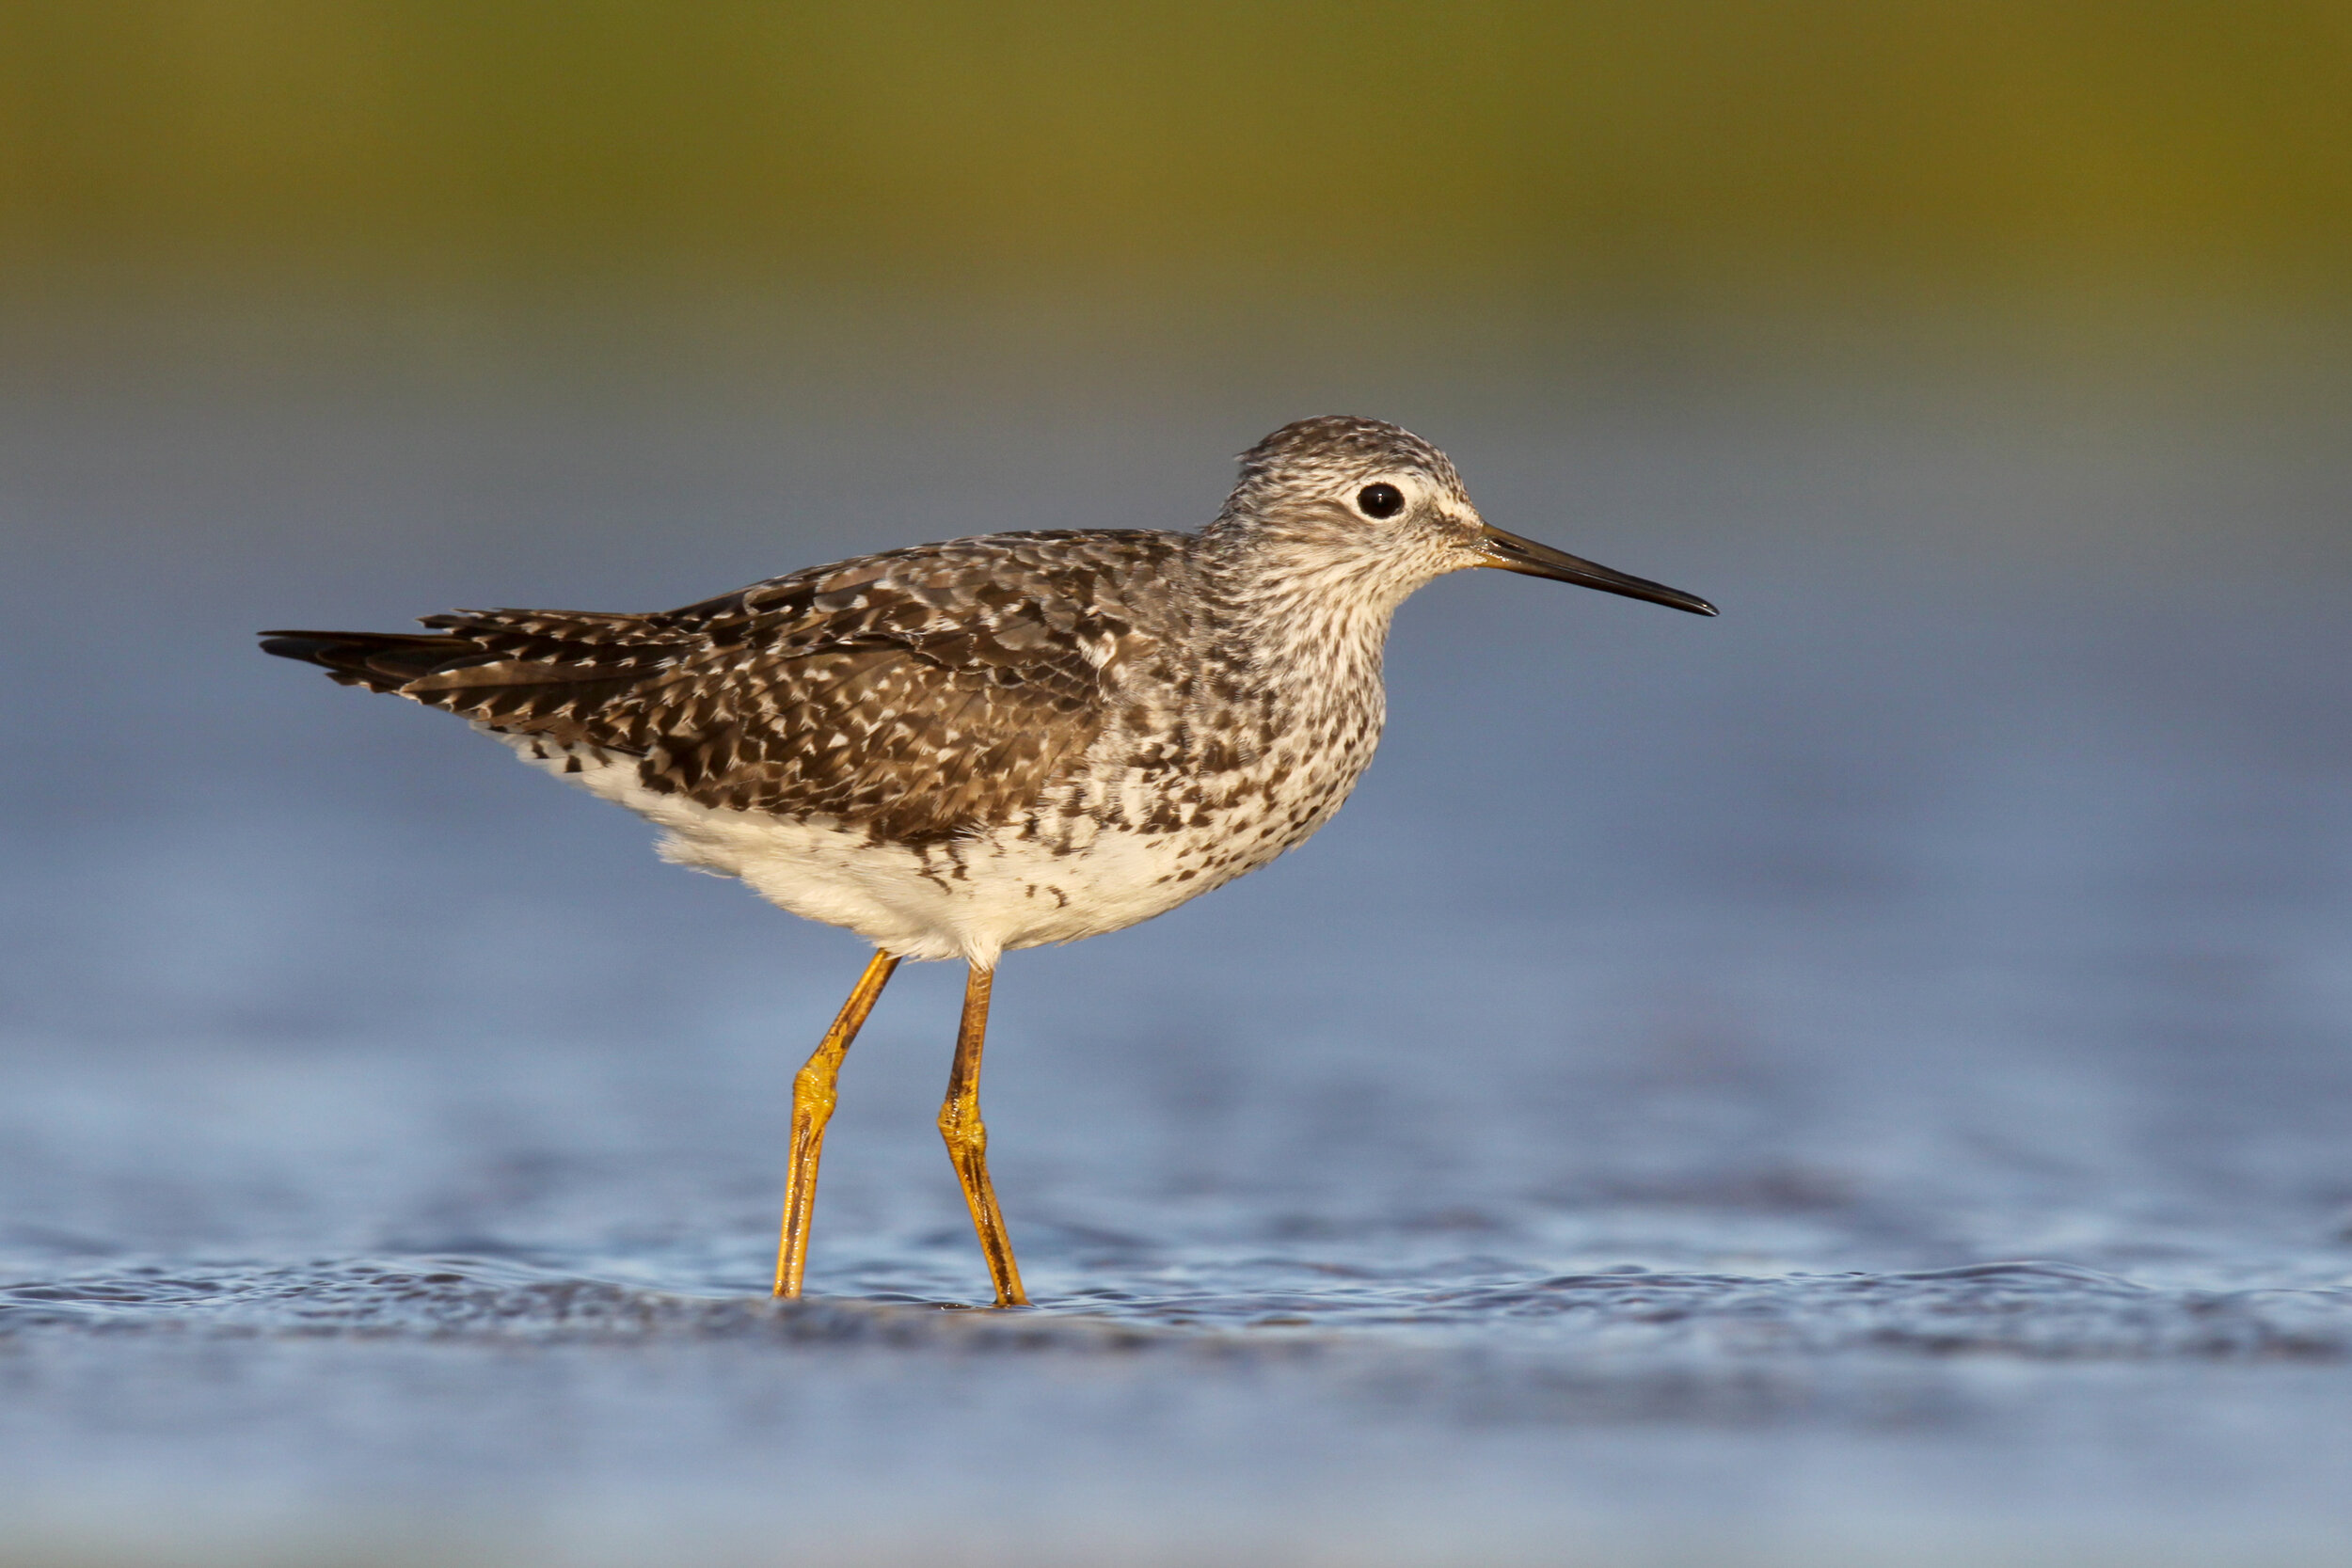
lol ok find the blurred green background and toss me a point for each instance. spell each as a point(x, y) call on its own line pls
point(1663, 155)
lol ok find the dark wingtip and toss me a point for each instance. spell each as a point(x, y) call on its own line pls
point(287, 644)
point(370, 659)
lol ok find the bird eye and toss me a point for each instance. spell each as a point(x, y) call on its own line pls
point(1380, 501)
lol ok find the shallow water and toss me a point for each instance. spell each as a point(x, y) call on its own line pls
point(1865, 1080)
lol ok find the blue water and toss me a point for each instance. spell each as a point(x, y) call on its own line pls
point(1865, 1079)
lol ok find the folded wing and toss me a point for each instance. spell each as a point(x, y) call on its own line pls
point(920, 694)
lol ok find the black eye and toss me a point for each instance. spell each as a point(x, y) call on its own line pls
point(1380, 501)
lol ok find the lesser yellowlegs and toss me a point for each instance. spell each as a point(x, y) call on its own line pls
point(956, 749)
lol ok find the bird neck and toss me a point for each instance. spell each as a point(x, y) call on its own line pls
point(1285, 606)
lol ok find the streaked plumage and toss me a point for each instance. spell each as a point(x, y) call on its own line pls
point(991, 743)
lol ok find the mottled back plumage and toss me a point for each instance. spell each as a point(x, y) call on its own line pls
point(921, 692)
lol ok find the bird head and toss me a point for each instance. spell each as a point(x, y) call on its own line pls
point(1364, 500)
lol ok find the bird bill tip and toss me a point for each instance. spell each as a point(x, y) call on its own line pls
point(1510, 553)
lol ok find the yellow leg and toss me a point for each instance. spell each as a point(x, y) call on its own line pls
point(812, 1107)
point(967, 1140)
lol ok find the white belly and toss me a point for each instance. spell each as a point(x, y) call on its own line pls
point(971, 899)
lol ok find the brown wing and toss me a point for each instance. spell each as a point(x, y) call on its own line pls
point(920, 694)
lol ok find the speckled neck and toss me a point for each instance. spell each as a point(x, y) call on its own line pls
point(1295, 613)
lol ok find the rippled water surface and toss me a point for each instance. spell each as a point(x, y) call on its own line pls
point(1868, 1079)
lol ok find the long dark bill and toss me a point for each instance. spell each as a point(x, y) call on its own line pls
point(1513, 554)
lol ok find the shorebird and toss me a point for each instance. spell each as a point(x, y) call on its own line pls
point(961, 749)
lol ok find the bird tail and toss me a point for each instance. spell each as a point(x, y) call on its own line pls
point(379, 660)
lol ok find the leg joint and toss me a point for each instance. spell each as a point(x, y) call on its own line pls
point(812, 1087)
point(961, 1125)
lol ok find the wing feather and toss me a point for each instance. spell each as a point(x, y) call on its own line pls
point(922, 694)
